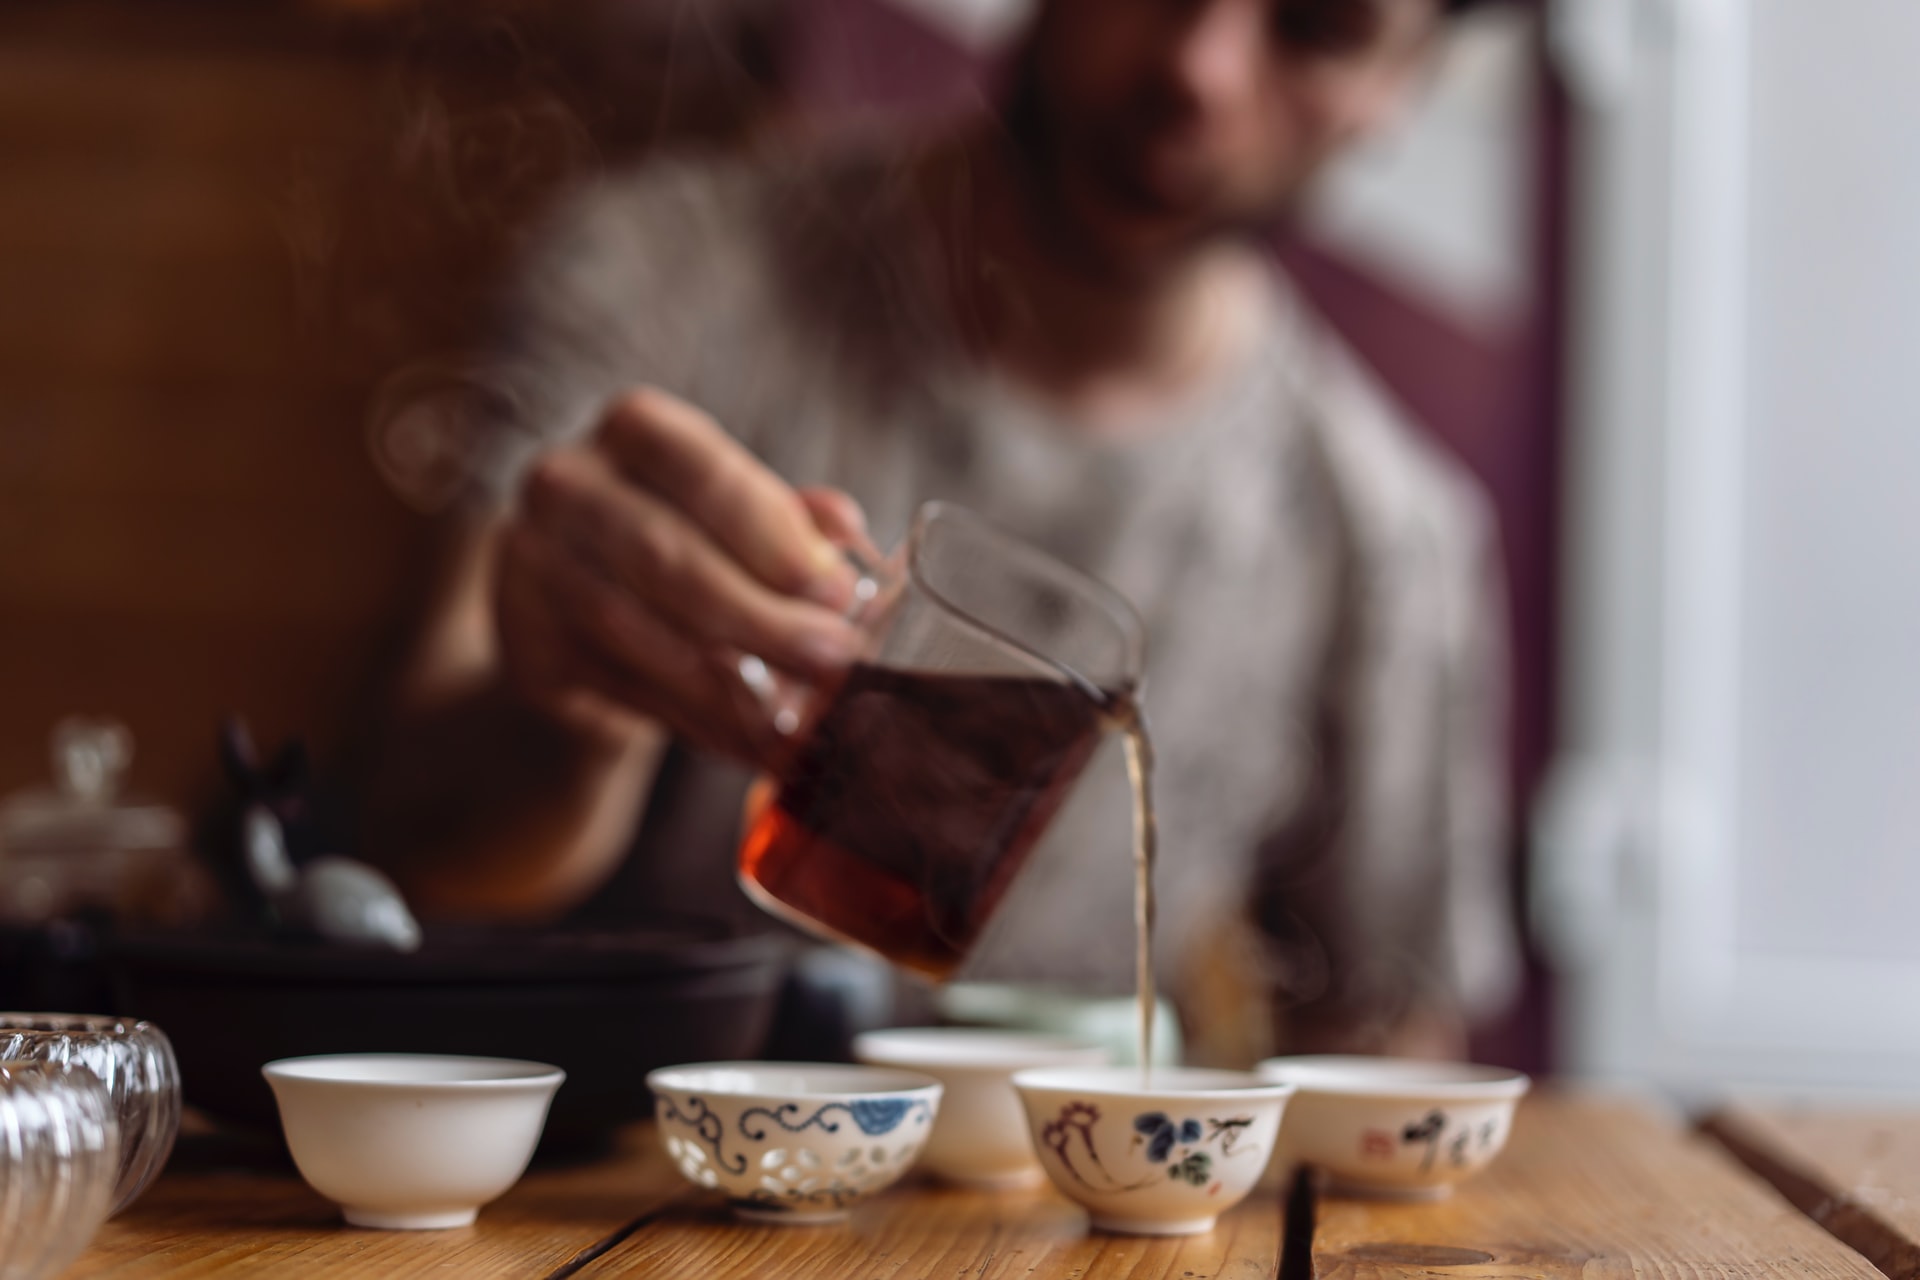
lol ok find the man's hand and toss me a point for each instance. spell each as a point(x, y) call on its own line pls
point(637, 568)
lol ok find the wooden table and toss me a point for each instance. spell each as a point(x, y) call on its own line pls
point(1854, 1171)
point(1589, 1188)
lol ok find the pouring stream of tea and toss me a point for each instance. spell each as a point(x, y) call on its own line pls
point(1125, 715)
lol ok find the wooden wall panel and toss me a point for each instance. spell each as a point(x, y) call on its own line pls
point(220, 226)
point(188, 522)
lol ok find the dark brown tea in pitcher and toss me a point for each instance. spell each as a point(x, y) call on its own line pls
point(912, 803)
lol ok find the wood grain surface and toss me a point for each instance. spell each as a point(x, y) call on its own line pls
point(223, 1210)
point(1854, 1171)
point(1590, 1188)
point(925, 1230)
point(223, 1213)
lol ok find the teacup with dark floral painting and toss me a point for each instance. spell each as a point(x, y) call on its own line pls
point(1164, 1156)
point(1393, 1127)
point(793, 1142)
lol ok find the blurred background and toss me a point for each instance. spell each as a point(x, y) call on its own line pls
point(1640, 263)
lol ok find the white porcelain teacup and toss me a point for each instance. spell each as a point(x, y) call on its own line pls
point(402, 1140)
point(1395, 1127)
point(980, 1139)
point(1163, 1158)
point(793, 1142)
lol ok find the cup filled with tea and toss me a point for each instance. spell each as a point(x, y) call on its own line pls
point(917, 786)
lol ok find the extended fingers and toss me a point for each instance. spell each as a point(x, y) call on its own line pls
point(684, 457)
point(617, 650)
point(640, 542)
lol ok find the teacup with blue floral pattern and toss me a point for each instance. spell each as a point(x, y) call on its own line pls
point(793, 1142)
point(1163, 1156)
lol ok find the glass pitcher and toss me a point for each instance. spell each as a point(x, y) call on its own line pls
point(920, 783)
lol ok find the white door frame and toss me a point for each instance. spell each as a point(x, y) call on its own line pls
point(1637, 837)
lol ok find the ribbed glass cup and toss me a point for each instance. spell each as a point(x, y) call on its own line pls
point(133, 1059)
point(59, 1158)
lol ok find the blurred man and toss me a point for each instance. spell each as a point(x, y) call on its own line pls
point(1062, 317)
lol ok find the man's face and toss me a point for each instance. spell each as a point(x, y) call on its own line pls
point(1166, 122)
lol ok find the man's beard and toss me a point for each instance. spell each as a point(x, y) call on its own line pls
point(1034, 148)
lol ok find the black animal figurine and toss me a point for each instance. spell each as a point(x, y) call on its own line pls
point(285, 861)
